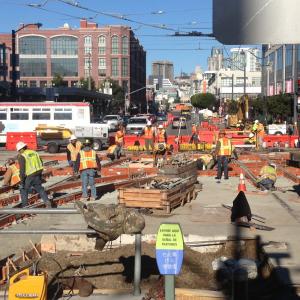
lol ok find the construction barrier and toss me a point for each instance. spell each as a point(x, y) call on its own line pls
point(29, 138)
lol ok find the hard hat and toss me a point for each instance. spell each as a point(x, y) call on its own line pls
point(256, 121)
point(240, 121)
point(20, 145)
point(149, 123)
point(73, 137)
point(251, 135)
point(87, 142)
point(272, 165)
point(160, 126)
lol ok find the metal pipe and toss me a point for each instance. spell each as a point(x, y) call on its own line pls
point(39, 211)
point(50, 231)
point(137, 264)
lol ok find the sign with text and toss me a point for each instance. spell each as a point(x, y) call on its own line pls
point(169, 249)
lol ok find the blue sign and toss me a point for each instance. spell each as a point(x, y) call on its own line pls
point(169, 249)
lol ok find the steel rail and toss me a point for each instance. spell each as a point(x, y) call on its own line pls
point(248, 173)
point(39, 211)
point(50, 231)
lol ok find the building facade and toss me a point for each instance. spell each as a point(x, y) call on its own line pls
point(249, 57)
point(163, 68)
point(75, 53)
point(216, 61)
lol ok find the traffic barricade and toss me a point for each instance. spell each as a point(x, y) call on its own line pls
point(29, 138)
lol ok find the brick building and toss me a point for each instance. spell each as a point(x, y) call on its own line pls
point(74, 53)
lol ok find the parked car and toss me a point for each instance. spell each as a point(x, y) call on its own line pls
point(277, 129)
point(162, 120)
point(136, 125)
point(113, 121)
point(179, 122)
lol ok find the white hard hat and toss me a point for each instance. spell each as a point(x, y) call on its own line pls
point(256, 121)
point(161, 126)
point(20, 145)
point(149, 123)
point(272, 165)
point(73, 137)
point(251, 135)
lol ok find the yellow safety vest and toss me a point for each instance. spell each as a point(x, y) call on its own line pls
point(33, 162)
point(225, 148)
point(206, 158)
point(15, 177)
point(87, 160)
point(268, 172)
point(74, 150)
point(119, 138)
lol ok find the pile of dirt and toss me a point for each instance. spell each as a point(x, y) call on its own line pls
point(115, 268)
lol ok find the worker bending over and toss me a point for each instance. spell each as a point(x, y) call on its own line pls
point(223, 152)
point(112, 152)
point(73, 149)
point(259, 130)
point(87, 163)
point(149, 137)
point(206, 162)
point(251, 139)
point(267, 177)
point(31, 169)
point(160, 147)
point(119, 140)
point(12, 174)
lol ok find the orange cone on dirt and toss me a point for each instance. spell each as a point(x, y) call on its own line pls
point(242, 185)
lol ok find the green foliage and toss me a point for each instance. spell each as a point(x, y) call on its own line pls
point(57, 80)
point(233, 107)
point(84, 83)
point(280, 106)
point(203, 101)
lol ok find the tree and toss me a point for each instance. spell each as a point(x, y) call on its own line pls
point(203, 101)
point(280, 107)
point(233, 107)
point(84, 83)
point(58, 80)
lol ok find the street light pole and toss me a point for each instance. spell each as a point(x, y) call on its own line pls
point(245, 97)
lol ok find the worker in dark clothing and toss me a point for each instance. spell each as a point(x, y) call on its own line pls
point(241, 211)
point(87, 163)
point(31, 169)
point(73, 149)
point(224, 151)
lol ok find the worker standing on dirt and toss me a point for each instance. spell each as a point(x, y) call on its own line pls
point(223, 152)
point(149, 136)
point(119, 140)
point(259, 130)
point(87, 163)
point(194, 137)
point(73, 149)
point(31, 169)
point(267, 177)
point(12, 174)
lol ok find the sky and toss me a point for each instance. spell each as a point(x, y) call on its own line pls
point(159, 19)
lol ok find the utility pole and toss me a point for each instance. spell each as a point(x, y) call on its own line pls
point(245, 97)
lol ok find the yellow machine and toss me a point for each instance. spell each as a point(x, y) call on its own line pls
point(26, 286)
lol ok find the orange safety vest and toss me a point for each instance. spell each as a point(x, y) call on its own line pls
point(87, 160)
point(74, 150)
point(194, 129)
point(119, 137)
point(15, 177)
point(149, 133)
point(161, 136)
point(260, 130)
point(226, 147)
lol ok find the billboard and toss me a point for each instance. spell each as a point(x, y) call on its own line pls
point(237, 22)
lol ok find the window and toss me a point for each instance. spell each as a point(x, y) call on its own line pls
point(88, 40)
point(256, 81)
point(102, 67)
point(43, 84)
point(87, 63)
point(64, 45)
point(64, 66)
point(63, 114)
point(114, 67)
point(3, 114)
point(124, 45)
point(40, 116)
point(102, 44)
point(32, 45)
point(240, 81)
point(87, 50)
point(124, 67)
point(19, 114)
point(289, 61)
point(226, 81)
point(23, 83)
point(114, 45)
point(33, 67)
point(32, 83)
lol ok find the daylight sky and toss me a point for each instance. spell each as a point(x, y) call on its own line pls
point(175, 15)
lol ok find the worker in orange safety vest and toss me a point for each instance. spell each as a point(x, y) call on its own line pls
point(224, 150)
point(73, 149)
point(194, 138)
point(119, 140)
point(12, 174)
point(87, 163)
point(149, 137)
point(160, 147)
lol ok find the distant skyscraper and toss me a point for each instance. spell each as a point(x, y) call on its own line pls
point(215, 61)
point(248, 56)
point(163, 68)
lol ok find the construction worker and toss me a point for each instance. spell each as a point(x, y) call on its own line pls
point(119, 140)
point(194, 137)
point(251, 139)
point(12, 174)
point(149, 136)
point(87, 163)
point(112, 152)
point(160, 147)
point(240, 125)
point(73, 149)
point(223, 152)
point(259, 130)
point(206, 162)
point(267, 177)
point(31, 169)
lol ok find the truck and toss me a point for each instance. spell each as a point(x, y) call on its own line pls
point(97, 132)
point(277, 129)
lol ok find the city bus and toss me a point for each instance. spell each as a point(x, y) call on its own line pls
point(27, 116)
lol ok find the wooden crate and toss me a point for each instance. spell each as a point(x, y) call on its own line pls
point(133, 196)
point(182, 172)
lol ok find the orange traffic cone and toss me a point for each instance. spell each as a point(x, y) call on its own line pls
point(242, 185)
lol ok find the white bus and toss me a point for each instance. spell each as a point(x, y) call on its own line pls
point(26, 116)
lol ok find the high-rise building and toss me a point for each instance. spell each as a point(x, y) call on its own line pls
point(163, 68)
point(215, 61)
point(245, 56)
point(74, 53)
